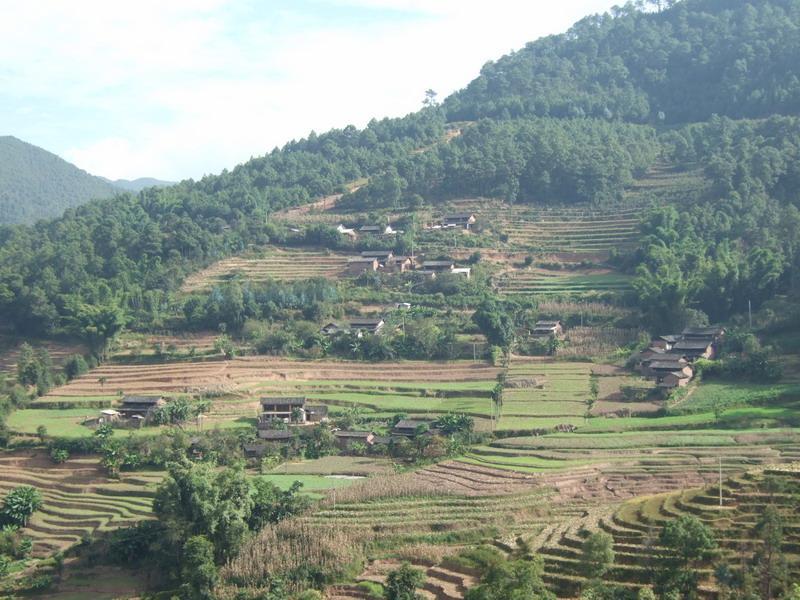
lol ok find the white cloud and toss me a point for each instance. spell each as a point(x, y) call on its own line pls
point(186, 87)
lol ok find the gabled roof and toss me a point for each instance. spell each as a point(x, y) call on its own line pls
point(362, 259)
point(142, 399)
point(692, 345)
point(547, 323)
point(376, 253)
point(679, 374)
point(703, 331)
point(670, 339)
point(285, 401)
point(437, 263)
point(353, 434)
point(458, 216)
point(412, 423)
point(664, 365)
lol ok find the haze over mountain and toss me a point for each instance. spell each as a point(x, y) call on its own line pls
point(37, 184)
point(137, 185)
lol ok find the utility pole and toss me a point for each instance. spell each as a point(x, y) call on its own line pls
point(720, 482)
point(750, 313)
point(474, 352)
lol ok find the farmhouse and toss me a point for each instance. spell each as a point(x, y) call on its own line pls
point(376, 230)
point(362, 326)
point(331, 328)
point(465, 220)
point(346, 439)
point(357, 266)
point(282, 409)
point(411, 427)
point(140, 407)
point(711, 334)
point(399, 264)
point(108, 415)
point(275, 435)
point(351, 233)
point(316, 413)
point(382, 256)
point(548, 329)
point(665, 342)
point(661, 368)
point(438, 266)
point(675, 379)
point(694, 349)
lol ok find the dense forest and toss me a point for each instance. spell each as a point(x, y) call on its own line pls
point(548, 128)
point(736, 58)
point(35, 184)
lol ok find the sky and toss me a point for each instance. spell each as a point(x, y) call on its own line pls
point(176, 89)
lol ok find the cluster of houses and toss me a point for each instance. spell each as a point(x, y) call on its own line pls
point(669, 359)
point(450, 221)
point(278, 413)
point(386, 261)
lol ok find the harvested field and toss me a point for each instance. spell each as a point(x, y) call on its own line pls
point(79, 500)
point(253, 373)
point(278, 263)
point(143, 344)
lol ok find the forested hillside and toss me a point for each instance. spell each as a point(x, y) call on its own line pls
point(35, 184)
point(550, 130)
point(737, 58)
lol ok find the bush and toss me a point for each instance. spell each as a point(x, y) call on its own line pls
point(75, 366)
point(59, 455)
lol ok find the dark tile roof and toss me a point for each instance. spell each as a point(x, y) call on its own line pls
point(691, 345)
point(365, 322)
point(353, 434)
point(437, 263)
point(661, 365)
point(458, 216)
point(412, 423)
point(282, 401)
point(141, 399)
point(275, 434)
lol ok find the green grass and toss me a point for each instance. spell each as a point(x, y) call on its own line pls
point(311, 483)
point(728, 395)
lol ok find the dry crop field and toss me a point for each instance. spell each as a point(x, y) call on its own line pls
point(281, 264)
point(59, 351)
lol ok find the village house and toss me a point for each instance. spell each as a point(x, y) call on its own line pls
point(316, 413)
point(674, 380)
point(661, 368)
point(282, 409)
point(362, 326)
point(554, 329)
point(437, 266)
point(351, 233)
point(382, 256)
point(357, 266)
point(665, 342)
point(275, 435)
point(694, 349)
point(646, 357)
point(331, 328)
point(465, 220)
point(711, 334)
point(376, 230)
point(411, 427)
point(140, 408)
point(399, 264)
point(344, 440)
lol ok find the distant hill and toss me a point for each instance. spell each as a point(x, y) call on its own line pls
point(137, 185)
point(37, 184)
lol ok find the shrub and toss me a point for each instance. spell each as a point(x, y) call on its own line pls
point(59, 455)
point(75, 366)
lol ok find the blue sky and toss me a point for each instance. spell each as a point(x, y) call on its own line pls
point(180, 88)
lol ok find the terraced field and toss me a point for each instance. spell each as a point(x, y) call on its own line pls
point(79, 500)
point(59, 351)
point(577, 229)
point(635, 524)
point(278, 263)
point(543, 282)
